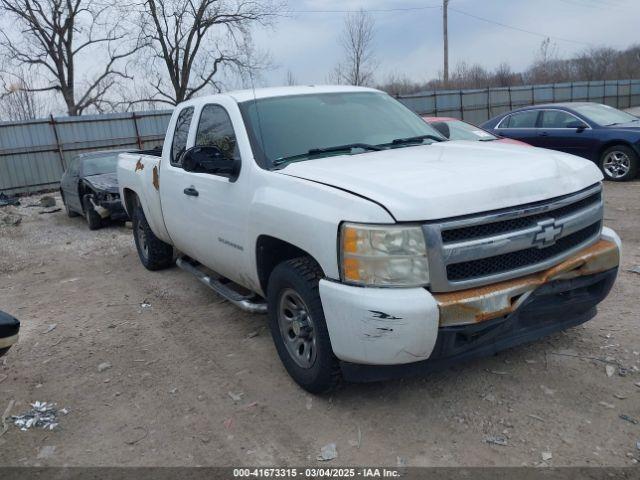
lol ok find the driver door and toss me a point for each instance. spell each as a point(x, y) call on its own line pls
point(206, 213)
point(560, 132)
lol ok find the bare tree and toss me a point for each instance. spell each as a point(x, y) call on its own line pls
point(192, 41)
point(56, 37)
point(19, 102)
point(291, 79)
point(504, 76)
point(357, 41)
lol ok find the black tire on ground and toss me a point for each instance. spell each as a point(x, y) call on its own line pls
point(93, 219)
point(619, 163)
point(302, 276)
point(153, 252)
point(70, 213)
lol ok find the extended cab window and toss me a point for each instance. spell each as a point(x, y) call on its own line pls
point(179, 143)
point(521, 120)
point(215, 130)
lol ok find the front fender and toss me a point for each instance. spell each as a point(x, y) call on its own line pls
point(307, 215)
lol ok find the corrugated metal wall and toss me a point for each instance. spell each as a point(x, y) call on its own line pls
point(34, 154)
point(477, 106)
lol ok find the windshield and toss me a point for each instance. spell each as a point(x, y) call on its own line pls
point(458, 130)
point(604, 115)
point(99, 165)
point(292, 126)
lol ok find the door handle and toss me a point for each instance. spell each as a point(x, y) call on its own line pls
point(192, 192)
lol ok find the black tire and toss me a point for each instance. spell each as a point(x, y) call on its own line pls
point(623, 169)
point(302, 276)
point(153, 252)
point(70, 213)
point(93, 219)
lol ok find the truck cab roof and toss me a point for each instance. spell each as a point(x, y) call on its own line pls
point(259, 93)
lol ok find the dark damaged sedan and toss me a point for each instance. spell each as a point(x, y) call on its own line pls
point(603, 134)
point(89, 187)
point(9, 328)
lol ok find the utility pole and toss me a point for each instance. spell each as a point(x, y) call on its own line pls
point(445, 22)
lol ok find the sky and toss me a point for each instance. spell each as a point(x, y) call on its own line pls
point(409, 42)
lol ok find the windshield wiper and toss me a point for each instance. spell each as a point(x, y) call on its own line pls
point(340, 148)
point(319, 151)
point(412, 140)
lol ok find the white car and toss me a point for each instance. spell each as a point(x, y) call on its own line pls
point(377, 248)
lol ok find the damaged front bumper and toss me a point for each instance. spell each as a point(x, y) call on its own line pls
point(9, 328)
point(470, 323)
point(110, 208)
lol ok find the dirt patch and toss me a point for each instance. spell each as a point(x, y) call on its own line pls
point(193, 381)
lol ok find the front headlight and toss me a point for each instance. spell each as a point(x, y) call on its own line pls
point(378, 255)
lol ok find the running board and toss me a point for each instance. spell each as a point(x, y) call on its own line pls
point(249, 303)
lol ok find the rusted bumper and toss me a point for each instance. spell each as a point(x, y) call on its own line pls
point(481, 304)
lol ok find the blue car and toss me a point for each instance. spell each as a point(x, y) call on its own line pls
point(603, 134)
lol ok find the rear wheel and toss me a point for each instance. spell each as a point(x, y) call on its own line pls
point(298, 326)
point(619, 163)
point(153, 252)
point(93, 219)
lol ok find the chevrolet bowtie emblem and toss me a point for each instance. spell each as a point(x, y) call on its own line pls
point(547, 234)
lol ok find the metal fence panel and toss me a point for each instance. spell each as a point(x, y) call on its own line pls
point(34, 154)
point(477, 106)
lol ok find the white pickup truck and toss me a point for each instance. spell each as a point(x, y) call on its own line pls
point(377, 248)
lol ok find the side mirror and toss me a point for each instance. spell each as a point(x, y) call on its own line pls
point(210, 159)
point(579, 126)
point(442, 128)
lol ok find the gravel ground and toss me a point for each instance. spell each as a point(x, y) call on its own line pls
point(186, 379)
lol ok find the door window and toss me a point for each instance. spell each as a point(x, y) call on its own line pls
point(216, 130)
point(180, 135)
point(558, 119)
point(526, 119)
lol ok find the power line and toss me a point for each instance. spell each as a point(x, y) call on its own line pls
point(429, 7)
point(538, 34)
point(377, 10)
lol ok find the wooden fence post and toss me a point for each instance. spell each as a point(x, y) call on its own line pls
point(135, 126)
point(52, 122)
point(488, 103)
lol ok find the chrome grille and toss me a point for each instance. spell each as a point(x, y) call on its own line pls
point(478, 250)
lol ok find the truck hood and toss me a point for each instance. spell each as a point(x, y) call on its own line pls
point(449, 179)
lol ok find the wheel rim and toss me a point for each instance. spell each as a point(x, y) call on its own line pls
point(616, 164)
point(142, 240)
point(297, 329)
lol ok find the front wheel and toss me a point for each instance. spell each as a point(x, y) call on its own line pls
point(153, 252)
point(298, 327)
point(619, 163)
point(93, 219)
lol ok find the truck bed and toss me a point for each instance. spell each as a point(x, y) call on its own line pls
point(139, 183)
